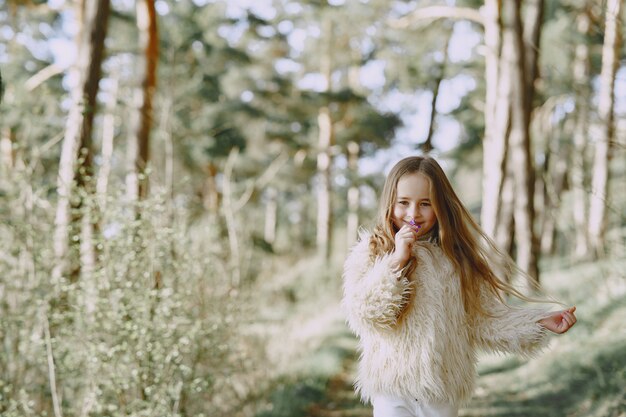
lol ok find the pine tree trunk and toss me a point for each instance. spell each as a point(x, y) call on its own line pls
point(77, 143)
point(324, 221)
point(324, 157)
point(149, 40)
point(526, 242)
point(600, 179)
point(533, 23)
point(556, 174)
point(427, 146)
point(577, 169)
point(497, 117)
point(505, 230)
point(555, 171)
point(108, 135)
point(353, 194)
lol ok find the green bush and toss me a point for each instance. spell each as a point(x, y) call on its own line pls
point(151, 330)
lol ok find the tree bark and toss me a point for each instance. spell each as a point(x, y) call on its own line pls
point(324, 157)
point(533, 23)
point(505, 230)
point(324, 207)
point(77, 154)
point(427, 146)
point(577, 170)
point(556, 175)
point(600, 179)
point(521, 156)
point(353, 194)
point(229, 216)
point(149, 38)
point(108, 135)
point(497, 108)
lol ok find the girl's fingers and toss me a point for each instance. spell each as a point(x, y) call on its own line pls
point(566, 316)
point(569, 318)
point(406, 232)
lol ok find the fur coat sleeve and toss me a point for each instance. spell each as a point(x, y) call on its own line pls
point(374, 295)
point(509, 329)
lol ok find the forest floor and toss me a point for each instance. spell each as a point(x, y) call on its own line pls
point(581, 373)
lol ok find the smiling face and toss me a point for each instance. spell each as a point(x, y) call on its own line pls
point(413, 202)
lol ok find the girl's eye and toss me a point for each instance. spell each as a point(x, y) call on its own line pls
point(425, 204)
point(403, 203)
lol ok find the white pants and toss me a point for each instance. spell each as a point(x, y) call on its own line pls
point(385, 406)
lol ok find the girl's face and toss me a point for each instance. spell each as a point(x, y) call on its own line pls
point(413, 202)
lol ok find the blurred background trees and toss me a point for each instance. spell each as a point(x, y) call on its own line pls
point(170, 170)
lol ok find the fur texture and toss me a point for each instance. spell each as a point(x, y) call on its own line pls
point(415, 339)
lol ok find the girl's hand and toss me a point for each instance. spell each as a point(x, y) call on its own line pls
point(559, 321)
point(404, 240)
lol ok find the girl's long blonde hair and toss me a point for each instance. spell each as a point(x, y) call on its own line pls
point(474, 255)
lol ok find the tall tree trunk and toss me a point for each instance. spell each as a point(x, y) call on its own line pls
point(526, 242)
point(577, 170)
point(533, 23)
point(556, 176)
point(77, 143)
point(138, 142)
point(229, 215)
point(324, 205)
point(498, 88)
point(149, 39)
point(353, 194)
point(168, 152)
point(324, 157)
point(108, 135)
point(505, 230)
point(600, 179)
point(427, 146)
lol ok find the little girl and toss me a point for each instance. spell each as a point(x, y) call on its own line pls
point(422, 293)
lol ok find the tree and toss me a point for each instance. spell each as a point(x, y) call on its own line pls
point(76, 165)
point(581, 74)
point(326, 139)
point(600, 180)
point(139, 146)
point(521, 156)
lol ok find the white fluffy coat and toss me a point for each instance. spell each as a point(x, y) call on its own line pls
point(429, 354)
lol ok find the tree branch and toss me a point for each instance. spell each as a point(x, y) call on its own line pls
point(263, 180)
point(51, 373)
point(437, 12)
point(44, 74)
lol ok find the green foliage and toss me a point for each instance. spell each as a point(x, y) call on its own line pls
point(294, 398)
point(151, 331)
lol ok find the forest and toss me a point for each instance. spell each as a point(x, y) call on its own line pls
point(181, 180)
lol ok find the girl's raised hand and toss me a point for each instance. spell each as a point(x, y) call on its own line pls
point(404, 240)
point(559, 321)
